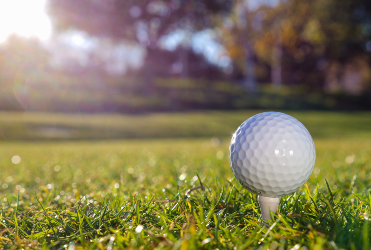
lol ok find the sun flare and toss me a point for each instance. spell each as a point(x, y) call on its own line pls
point(24, 17)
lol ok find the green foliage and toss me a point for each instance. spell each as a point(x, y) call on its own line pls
point(180, 193)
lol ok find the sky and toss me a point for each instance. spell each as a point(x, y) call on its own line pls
point(202, 42)
point(24, 17)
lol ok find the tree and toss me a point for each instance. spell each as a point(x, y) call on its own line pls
point(140, 21)
point(237, 37)
point(302, 37)
point(165, 63)
point(23, 66)
point(20, 57)
point(127, 19)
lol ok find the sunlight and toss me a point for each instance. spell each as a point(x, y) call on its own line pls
point(24, 17)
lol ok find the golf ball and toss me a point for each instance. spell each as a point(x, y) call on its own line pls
point(272, 154)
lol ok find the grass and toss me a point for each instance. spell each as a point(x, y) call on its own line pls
point(179, 193)
point(203, 124)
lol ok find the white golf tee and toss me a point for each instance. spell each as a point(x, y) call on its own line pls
point(268, 204)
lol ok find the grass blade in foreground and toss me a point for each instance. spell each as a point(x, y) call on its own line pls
point(127, 195)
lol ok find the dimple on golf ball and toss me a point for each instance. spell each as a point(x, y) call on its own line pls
point(272, 154)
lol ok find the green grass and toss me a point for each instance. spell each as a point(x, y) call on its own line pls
point(120, 194)
point(205, 124)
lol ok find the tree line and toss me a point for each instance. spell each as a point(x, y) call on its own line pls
point(321, 47)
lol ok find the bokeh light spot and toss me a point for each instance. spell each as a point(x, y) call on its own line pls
point(16, 159)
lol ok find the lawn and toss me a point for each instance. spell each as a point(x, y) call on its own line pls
point(173, 188)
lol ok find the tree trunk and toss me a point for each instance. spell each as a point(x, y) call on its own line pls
point(250, 79)
point(249, 82)
point(276, 69)
point(184, 62)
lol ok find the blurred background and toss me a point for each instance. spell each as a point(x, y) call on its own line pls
point(134, 57)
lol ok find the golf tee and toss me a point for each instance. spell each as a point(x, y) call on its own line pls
point(268, 204)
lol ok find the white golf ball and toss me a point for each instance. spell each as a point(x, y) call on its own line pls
point(272, 154)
